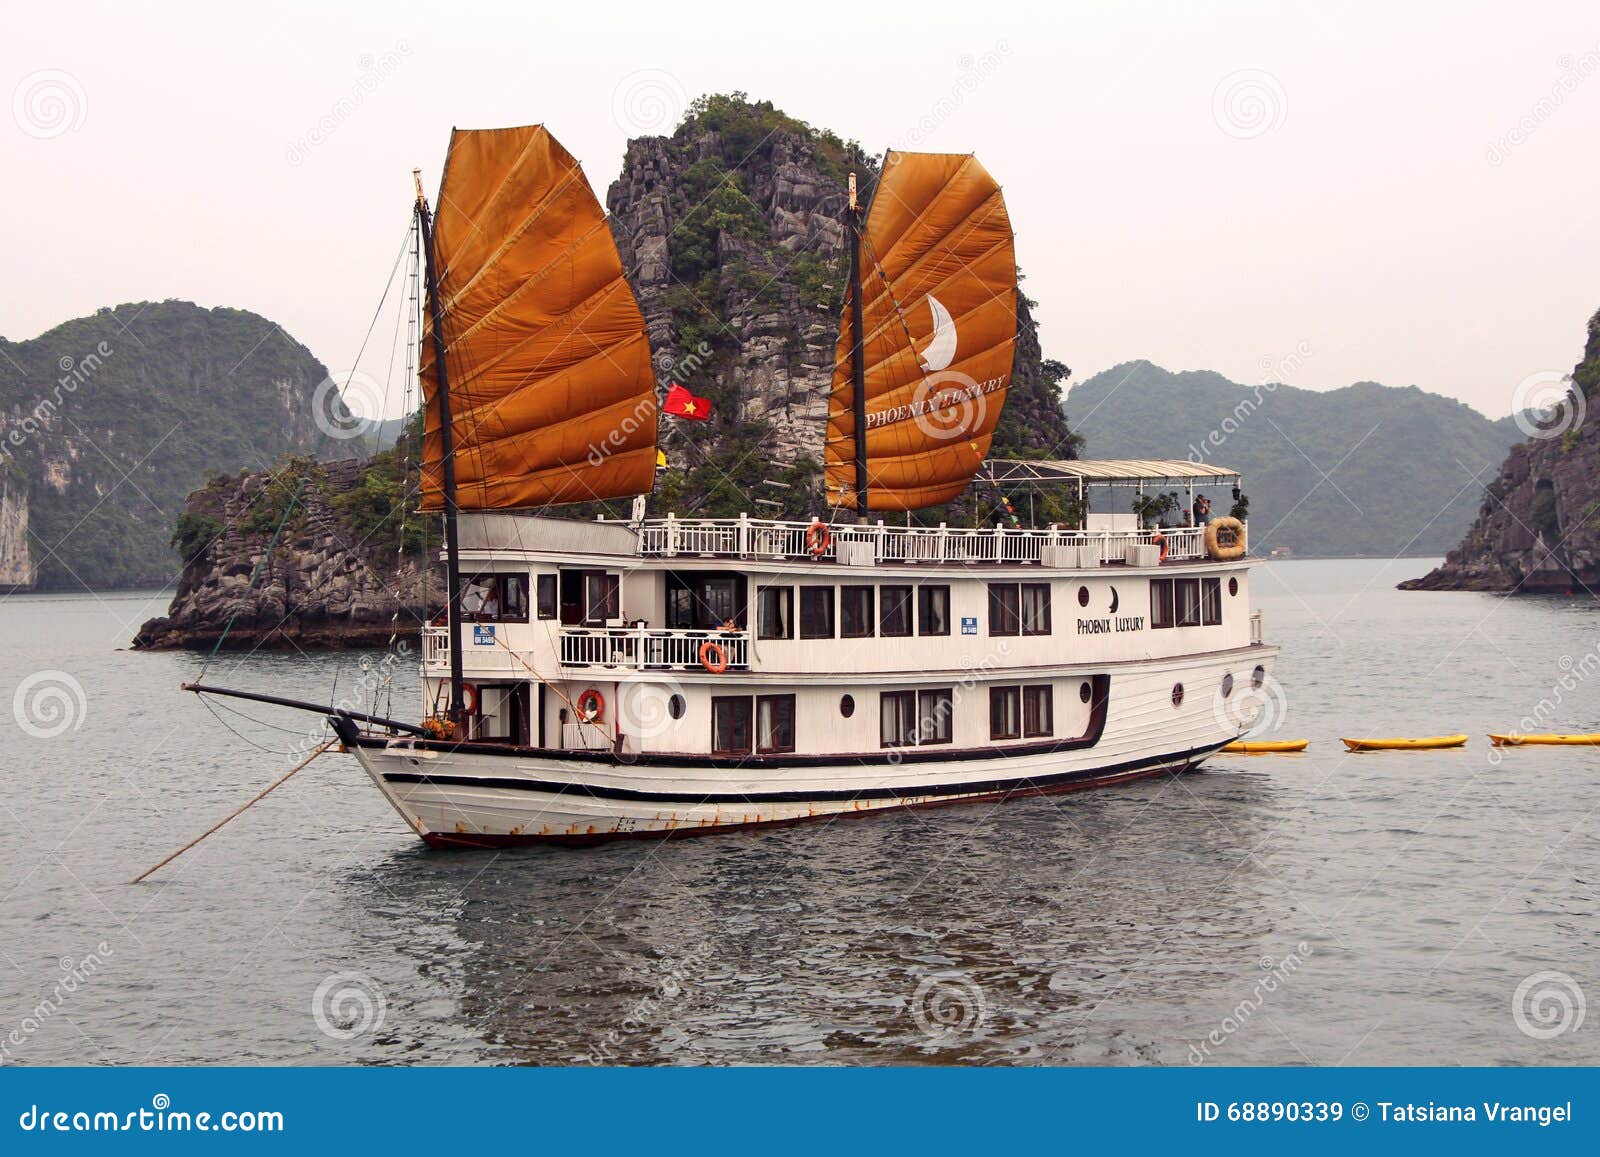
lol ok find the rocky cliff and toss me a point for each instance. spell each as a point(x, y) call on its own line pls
point(342, 572)
point(1538, 529)
point(108, 421)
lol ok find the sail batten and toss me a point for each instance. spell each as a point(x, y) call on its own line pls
point(552, 388)
point(938, 318)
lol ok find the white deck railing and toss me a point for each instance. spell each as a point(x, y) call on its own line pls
point(758, 538)
point(648, 648)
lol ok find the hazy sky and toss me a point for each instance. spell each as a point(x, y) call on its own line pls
point(1318, 193)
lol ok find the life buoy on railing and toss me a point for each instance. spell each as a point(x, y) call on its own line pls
point(1159, 539)
point(1225, 539)
point(713, 658)
point(590, 706)
point(469, 698)
point(818, 538)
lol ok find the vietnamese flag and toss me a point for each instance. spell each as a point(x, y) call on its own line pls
point(681, 402)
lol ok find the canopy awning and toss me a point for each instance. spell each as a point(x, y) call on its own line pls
point(1129, 471)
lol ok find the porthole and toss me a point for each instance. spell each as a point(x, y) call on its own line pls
point(1227, 684)
point(676, 707)
point(1083, 596)
point(1085, 692)
point(1258, 677)
point(1233, 587)
point(847, 705)
point(1177, 694)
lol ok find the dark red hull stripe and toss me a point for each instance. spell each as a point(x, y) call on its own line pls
point(975, 787)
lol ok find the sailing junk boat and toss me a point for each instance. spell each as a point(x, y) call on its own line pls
point(604, 679)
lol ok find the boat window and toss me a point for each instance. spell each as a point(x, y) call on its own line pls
point(1227, 684)
point(1160, 603)
point(847, 705)
point(494, 598)
point(1187, 599)
point(1210, 602)
point(1037, 711)
point(1004, 609)
point(895, 602)
point(774, 723)
point(934, 711)
point(1005, 712)
point(933, 610)
point(1085, 692)
point(680, 607)
point(897, 711)
point(705, 602)
point(676, 706)
point(602, 597)
point(1233, 587)
point(816, 612)
point(1177, 694)
point(855, 613)
point(1035, 608)
point(547, 596)
point(775, 613)
point(730, 725)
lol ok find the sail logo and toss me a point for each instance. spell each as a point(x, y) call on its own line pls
point(941, 350)
point(946, 405)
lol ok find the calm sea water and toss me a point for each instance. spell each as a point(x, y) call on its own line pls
point(1323, 908)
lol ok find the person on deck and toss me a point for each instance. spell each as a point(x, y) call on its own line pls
point(1202, 510)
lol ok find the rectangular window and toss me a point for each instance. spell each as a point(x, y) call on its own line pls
point(774, 723)
point(1187, 599)
point(897, 713)
point(730, 725)
point(1005, 713)
point(680, 607)
point(495, 598)
point(1160, 603)
point(895, 608)
point(816, 612)
point(1004, 609)
point(934, 712)
point(602, 597)
point(775, 613)
point(547, 596)
point(855, 613)
point(1210, 602)
point(1036, 712)
point(933, 610)
point(1035, 608)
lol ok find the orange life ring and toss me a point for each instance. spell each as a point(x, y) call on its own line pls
point(713, 658)
point(587, 713)
point(818, 538)
point(1159, 539)
point(469, 698)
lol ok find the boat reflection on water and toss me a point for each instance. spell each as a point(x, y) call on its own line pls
point(1074, 929)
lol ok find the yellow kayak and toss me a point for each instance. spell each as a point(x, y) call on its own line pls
point(1546, 740)
point(1424, 744)
point(1264, 747)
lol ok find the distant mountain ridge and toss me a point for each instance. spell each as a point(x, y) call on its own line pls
point(1366, 469)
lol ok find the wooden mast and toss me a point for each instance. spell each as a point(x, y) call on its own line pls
point(452, 544)
point(858, 373)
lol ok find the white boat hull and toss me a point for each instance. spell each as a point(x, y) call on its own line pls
point(478, 795)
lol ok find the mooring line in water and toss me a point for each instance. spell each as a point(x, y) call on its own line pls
point(266, 791)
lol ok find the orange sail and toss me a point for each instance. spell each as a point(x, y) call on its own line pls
point(939, 319)
point(552, 393)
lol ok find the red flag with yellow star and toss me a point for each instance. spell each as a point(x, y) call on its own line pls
point(681, 402)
